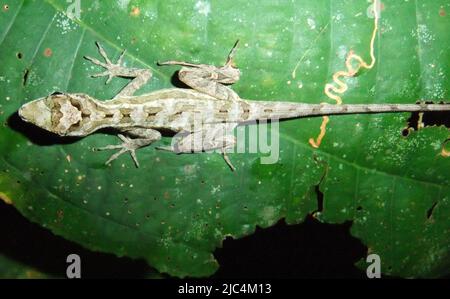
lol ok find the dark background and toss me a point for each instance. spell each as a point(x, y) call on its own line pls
point(308, 250)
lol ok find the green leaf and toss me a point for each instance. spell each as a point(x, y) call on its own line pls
point(10, 269)
point(175, 210)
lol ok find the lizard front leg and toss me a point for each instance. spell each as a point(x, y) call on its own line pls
point(211, 137)
point(140, 76)
point(142, 138)
point(210, 79)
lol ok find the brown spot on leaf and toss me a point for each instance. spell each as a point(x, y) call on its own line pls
point(48, 52)
point(445, 151)
point(442, 12)
point(33, 274)
point(60, 215)
point(135, 12)
point(166, 195)
point(6, 199)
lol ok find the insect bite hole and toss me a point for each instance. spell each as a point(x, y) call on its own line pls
point(430, 210)
point(406, 132)
point(25, 77)
point(419, 120)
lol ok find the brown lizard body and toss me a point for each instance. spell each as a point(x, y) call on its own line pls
point(205, 115)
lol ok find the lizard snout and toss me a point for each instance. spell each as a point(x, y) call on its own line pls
point(38, 113)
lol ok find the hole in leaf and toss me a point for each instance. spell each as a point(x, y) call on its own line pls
point(25, 77)
point(429, 119)
point(19, 55)
point(406, 132)
point(319, 198)
point(431, 210)
point(308, 250)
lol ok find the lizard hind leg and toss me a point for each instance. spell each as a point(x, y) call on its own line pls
point(210, 79)
point(212, 138)
point(143, 138)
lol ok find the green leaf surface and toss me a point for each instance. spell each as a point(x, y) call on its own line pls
point(175, 210)
point(11, 269)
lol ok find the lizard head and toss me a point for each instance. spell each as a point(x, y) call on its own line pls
point(58, 113)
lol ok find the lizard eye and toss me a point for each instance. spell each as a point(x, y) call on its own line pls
point(56, 93)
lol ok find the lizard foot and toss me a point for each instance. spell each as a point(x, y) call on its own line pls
point(112, 69)
point(127, 146)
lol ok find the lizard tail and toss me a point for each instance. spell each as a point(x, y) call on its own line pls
point(326, 109)
point(285, 110)
point(259, 110)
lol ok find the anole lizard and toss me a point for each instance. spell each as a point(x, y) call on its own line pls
point(210, 102)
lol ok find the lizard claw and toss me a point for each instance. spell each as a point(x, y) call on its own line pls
point(127, 146)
